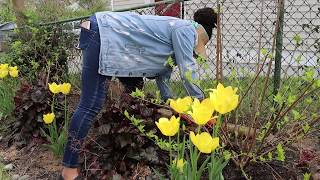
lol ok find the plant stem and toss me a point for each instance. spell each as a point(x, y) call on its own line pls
point(52, 105)
point(244, 173)
point(281, 115)
point(66, 119)
point(170, 151)
point(217, 126)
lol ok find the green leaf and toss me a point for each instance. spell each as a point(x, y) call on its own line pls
point(170, 62)
point(298, 58)
point(306, 127)
point(188, 75)
point(278, 98)
point(270, 156)
point(126, 114)
point(202, 167)
point(309, 100)
point(297, 39)
point(141, 128)
point(317, 83)
point(272, 109)
point(296, 114)
point(205, 66)
point(138, 93)
point(262, 159)
point(306, 176)
point(309, 74)
point(270, 56)
point(291, 99)
point(201, 60)
point(263, 51)
point(226, 155)
point(280, 153)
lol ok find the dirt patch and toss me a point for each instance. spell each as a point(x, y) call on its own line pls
point(33, 160)
point(40, 164)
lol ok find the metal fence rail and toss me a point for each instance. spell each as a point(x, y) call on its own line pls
point(242, 34)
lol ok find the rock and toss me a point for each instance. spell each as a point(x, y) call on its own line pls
point(15, 177)
point(24, 177)
point(8, 167)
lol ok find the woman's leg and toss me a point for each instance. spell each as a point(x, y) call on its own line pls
point(92, 97)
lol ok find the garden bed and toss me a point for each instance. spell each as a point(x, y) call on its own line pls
point(116, 148)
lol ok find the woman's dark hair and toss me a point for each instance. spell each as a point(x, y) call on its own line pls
point(207, 18)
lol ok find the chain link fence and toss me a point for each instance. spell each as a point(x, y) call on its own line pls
point(247, 26)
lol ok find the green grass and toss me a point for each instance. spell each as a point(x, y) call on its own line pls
point(3, 174)
point(8, 87)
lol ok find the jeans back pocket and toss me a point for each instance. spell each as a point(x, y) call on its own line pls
point(86, 36)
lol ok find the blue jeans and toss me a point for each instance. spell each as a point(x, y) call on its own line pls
point(93, 93)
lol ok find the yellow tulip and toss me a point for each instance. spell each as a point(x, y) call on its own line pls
point(4, 70)
point(169, 127)
point(179, 164)
point(4, 66)
point(201, 112)
point(13, 71)
point(3, 73)
point(65, 88)
point(181, 105)
point(224, 99)
point(48, 118)
point(204, 142)
point(54, 88)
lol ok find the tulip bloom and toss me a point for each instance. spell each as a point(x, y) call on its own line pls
point(65, 88)
point(179, 164)
point(54, 88)
point(48, 118)
point(201, 112)
point(169, 127)
point(13, 71)
point(4, 70)
point(224, 99)
point(204, 142)
point(181, 105)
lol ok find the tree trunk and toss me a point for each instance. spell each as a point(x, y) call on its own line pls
point(18, 6)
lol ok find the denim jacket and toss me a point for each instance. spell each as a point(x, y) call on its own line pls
point(134, 45)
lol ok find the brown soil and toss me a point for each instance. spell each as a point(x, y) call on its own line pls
point(33, 160)
point(36, 161)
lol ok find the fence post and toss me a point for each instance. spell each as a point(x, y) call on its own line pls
point(279, 44)
point(219, 73)
point(182, 9)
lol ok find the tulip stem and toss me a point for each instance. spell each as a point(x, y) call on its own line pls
point(170, 153)
point(217, 126)
point(66, 119)
point(170, 148)
point(52, 105)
